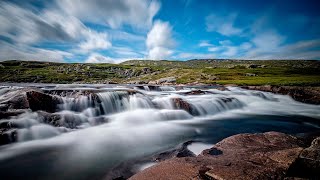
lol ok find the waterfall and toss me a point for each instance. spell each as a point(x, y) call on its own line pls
point(102, 127)
point(166, 88)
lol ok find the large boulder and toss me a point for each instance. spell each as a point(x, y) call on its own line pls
point(244, 156)
point(308, 163)
point(179, 103)
point(41, 101)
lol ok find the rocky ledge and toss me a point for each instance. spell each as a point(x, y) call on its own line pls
point(269, 155)
point(309, 95)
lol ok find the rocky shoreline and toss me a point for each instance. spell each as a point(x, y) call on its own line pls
point(307, 94)
point(270, 155)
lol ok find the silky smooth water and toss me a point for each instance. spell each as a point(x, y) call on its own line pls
point(102, 129)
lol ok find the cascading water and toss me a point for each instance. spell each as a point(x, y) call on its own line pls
point(94, 129)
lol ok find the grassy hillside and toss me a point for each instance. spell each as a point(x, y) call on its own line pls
point(241, 72)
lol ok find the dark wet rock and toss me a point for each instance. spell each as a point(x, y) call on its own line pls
point(8, 136)
point(41, 101)
point(299, 93)
point(8, 114)
point(19, 101)
point(308, 163)
point(197, 92)
point(50, 118)
point(182, 104)
point(245, 156)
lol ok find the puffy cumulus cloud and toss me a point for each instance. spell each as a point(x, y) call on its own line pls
point(138, 13)
point(98, 58)
point(222, 24)
point(159, 41)
point(95, 41)
point(158, 53)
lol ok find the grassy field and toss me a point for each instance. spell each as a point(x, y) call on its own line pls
point(240, 72)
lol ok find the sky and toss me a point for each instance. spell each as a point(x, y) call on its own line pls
point(112, 31)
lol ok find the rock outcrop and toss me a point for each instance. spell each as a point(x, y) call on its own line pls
point(41, 101)
point(270, 155)
point(167, 80)
point(299, 93)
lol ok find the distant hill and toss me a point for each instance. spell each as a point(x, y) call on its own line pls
point(207, 71)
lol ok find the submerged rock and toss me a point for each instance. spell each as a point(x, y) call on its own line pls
point(244, 156)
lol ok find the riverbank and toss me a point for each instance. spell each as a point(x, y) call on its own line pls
point(269, 155)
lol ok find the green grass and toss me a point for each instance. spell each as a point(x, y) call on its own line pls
point(275, 72)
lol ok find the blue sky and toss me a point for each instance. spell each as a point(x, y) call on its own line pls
point(117, 30)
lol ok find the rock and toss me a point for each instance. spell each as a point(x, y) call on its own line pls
point(50, 118)
point(152, 82)
point(166, 80)
point(250, 74)
point(222, 88)
point(19, 101)
point(8, 136)
point(303, 94)
point(7, 114)
point(41, 101)
point(137, 82)
point(197, 92)
point(252, 66)
point(244, 156)
point(308, 163)
point(212, 78)
point(181, 104)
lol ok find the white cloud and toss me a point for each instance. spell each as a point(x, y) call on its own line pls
point(205, 44)
point(10, 52)
point(299, 50)
point(137, 13)
point(98, 58)
point(214, 48)
point(185, 55)
point(159, 41)
point(158, 53)
point(222, 24)
point(126, 52)
point(268, 41)
point(95, 41)
point(63, 24)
